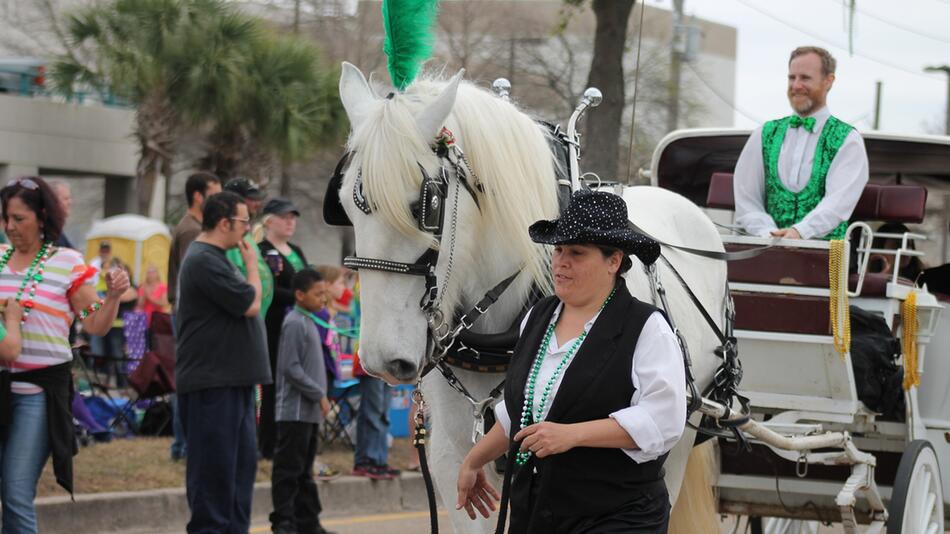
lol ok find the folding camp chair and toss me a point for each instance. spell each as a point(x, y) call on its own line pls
point(344, 405)
point(153, 375)
point(80, 355)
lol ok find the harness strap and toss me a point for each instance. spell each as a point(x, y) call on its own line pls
point(467, 320)
point(711, 254)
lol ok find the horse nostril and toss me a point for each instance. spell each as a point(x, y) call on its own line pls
point(402, 369)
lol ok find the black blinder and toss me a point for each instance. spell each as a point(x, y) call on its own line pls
point(333, 213)
point(430, 211)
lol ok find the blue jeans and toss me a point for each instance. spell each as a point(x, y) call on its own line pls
point(222, 458)
point(372, 422)
point(24, 448)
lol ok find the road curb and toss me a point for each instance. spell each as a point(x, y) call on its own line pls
point(165, 510)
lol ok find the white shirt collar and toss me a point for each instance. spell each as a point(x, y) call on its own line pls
point(557, 313)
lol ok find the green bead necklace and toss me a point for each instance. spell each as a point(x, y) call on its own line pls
point(527, 417)
point(32, 277)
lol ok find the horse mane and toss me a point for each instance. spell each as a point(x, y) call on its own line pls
point(509, 154)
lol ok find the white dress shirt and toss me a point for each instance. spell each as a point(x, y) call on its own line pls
point(844, 184)
point(656, 416)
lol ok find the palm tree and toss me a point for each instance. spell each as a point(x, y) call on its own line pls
point(293, 101)
point(176, 61)
point(202, 65)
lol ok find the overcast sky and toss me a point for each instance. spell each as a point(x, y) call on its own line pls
point(893, 41)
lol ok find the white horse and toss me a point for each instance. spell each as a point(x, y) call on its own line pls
point(484, 243)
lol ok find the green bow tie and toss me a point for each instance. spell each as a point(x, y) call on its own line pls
point(808, 123)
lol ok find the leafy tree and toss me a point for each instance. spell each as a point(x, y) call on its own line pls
point(201, 65)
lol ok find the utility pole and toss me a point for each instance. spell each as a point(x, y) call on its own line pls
point(946, 70)
point(877, 105)
point(677, 49)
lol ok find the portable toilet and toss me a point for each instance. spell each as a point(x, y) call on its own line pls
point(136, 240)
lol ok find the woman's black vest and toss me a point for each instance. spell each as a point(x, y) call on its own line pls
point(583, 481)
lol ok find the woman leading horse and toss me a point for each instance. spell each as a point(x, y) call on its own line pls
point(595, 395)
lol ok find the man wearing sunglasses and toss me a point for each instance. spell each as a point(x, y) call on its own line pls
point(221, 356)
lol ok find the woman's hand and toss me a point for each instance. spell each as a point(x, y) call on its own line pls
point(116, 283)
point(13, 312)
point(475, 492)
point(545, 438)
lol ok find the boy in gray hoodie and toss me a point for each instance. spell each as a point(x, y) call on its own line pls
point(301, 405)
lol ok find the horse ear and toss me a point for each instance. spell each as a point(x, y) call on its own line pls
point(355, 93)
point(431, 120)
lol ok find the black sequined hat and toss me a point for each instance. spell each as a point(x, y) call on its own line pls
point(596, 218)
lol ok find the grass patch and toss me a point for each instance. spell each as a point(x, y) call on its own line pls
point(144, 463)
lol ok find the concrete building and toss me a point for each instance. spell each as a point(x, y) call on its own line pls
point(89, 146)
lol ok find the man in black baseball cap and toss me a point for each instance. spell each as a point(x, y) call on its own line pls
point(253, 196)
point(249, 191)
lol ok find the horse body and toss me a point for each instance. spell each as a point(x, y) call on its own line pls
point(482, 244)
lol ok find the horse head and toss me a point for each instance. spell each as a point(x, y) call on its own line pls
point(425, 216)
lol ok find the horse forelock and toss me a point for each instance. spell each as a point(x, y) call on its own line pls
point(509, 154)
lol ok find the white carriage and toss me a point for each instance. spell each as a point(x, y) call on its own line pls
point(830, 457)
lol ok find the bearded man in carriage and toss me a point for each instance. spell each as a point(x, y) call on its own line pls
point(801, 176)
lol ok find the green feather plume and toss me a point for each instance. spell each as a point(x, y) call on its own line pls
point(409, 37)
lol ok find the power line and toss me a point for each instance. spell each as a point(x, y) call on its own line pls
point(836, 45)
point(714, 91)
point(896, 25)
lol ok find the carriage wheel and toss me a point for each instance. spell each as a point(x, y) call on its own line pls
point(916, 505)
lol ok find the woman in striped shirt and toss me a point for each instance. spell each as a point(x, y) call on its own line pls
point(53, 286)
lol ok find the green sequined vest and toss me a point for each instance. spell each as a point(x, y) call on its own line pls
point(786, 207)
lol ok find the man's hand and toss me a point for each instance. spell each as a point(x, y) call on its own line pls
point(248, 254)
point(324, 406)
point(117, 282)
point(545, 438)
point(787, 233)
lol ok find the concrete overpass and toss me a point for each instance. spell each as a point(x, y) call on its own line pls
point(39, 136)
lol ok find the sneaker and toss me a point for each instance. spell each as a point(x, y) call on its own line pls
point(369, 471)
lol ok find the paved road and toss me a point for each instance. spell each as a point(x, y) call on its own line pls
point(418, 523)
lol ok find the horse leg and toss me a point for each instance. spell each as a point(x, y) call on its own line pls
point(695, 510)
point(450, 440)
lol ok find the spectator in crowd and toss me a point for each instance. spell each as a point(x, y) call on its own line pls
point(114, 341)
point(65, 196)
point(302, 406)
point(105, 254)
point(253, 198)
point(53, 286)
point(198, 187)
point(329, 314)
point(97, 344)
point(153, 295)
point(221, 356)
point(372, 421)
point(284, 260)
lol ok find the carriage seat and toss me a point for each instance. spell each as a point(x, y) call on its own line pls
point(878, 202)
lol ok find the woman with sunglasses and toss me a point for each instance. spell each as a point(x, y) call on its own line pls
point(53, 286)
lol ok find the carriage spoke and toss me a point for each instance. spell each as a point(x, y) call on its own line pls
point(926, 514)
